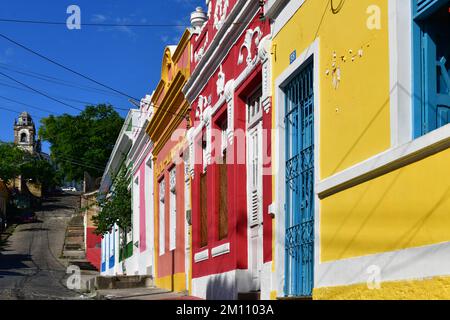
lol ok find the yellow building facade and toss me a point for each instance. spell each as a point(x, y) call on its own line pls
point(166, 128)
point(361, 189)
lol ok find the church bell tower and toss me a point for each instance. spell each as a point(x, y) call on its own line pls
point(25, 133)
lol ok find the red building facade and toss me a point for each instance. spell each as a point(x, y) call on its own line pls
point(229, 147)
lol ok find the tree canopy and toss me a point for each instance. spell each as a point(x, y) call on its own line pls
point(15, 162)
point(83, 142)
point(115, 208)
point(11, 159)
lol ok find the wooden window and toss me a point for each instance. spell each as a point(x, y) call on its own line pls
point(203, 211)
point(223, 203)
point(222, 183)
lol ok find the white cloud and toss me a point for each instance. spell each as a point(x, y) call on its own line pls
point(98, 18)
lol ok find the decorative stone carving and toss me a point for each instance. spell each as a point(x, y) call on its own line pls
point(264, 57)
point(202, 102)
point(173, 180)
point(220, 82)
point(191, 162)
point(198, 19)
point(209, 5)
point(162, 190)
point(229, 98)
point(207, 119)
point(220, 13)
point(201, 51)
point(250, 34)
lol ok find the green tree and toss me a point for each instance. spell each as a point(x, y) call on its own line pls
point(40, 171)
point(115, 209)
point(11, 159)
point(15, 162)
point(83, 142)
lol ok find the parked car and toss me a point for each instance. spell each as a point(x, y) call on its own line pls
point(27, 217)
point(72, 189)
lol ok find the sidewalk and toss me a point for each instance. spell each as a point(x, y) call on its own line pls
point(6, 234)
point(142, 294)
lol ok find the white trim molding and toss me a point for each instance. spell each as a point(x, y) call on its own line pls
point(385, 162)
point(220, 250)
point(406, 264)
point(242, 14)
point(279, 159)
point(281, 11)
point(201, 256)
point(400, 73)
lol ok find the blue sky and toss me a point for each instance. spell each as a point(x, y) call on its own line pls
point(125, 58)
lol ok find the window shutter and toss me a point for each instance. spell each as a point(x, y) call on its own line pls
point(223, 199)
point(255, 177)
point(162, 236)
point(254, 217)
point(203, 211)
point(422, 6)
point(173, 210)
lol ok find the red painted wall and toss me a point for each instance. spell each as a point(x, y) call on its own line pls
point(237, 175)
point(172, 261)
point(93, 248)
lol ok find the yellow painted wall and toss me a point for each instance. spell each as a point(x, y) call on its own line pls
point(354, 119)
point(406, 208)
point(436, 288)
point(179, 280)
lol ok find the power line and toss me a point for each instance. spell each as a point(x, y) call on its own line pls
point(130, 25)
point(63, 66)
point(39, 92)
point(85, 102)
point(55, 80)
point(71, 70)
point(25, 104)
point(59, 97)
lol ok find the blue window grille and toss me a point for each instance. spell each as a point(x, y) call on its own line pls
point(299, 241)
point(431, 27)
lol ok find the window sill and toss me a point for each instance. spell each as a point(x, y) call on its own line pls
point(220, 250)
point(201, 256)
point(388, 161)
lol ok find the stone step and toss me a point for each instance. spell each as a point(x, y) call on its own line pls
point(74, 254)
point(77, 239)
point(83, 265)
point(123, 282)
point(73, 246)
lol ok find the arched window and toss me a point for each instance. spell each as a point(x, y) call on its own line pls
point(23, 137)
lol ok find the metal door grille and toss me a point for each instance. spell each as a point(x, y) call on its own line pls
point(299, 242)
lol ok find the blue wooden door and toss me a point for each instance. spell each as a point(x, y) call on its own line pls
point(433, 49)
point(299, 242)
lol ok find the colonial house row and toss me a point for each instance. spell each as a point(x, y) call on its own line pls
point(293, 149)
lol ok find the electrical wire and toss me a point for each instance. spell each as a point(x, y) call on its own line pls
point(73, 71)
point(130, 25)
point(79, 101)
point(64, 67)
point(55, 80)
point(25, 104)
point(39, 92)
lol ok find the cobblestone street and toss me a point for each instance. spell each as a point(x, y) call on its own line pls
point(30, 267)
